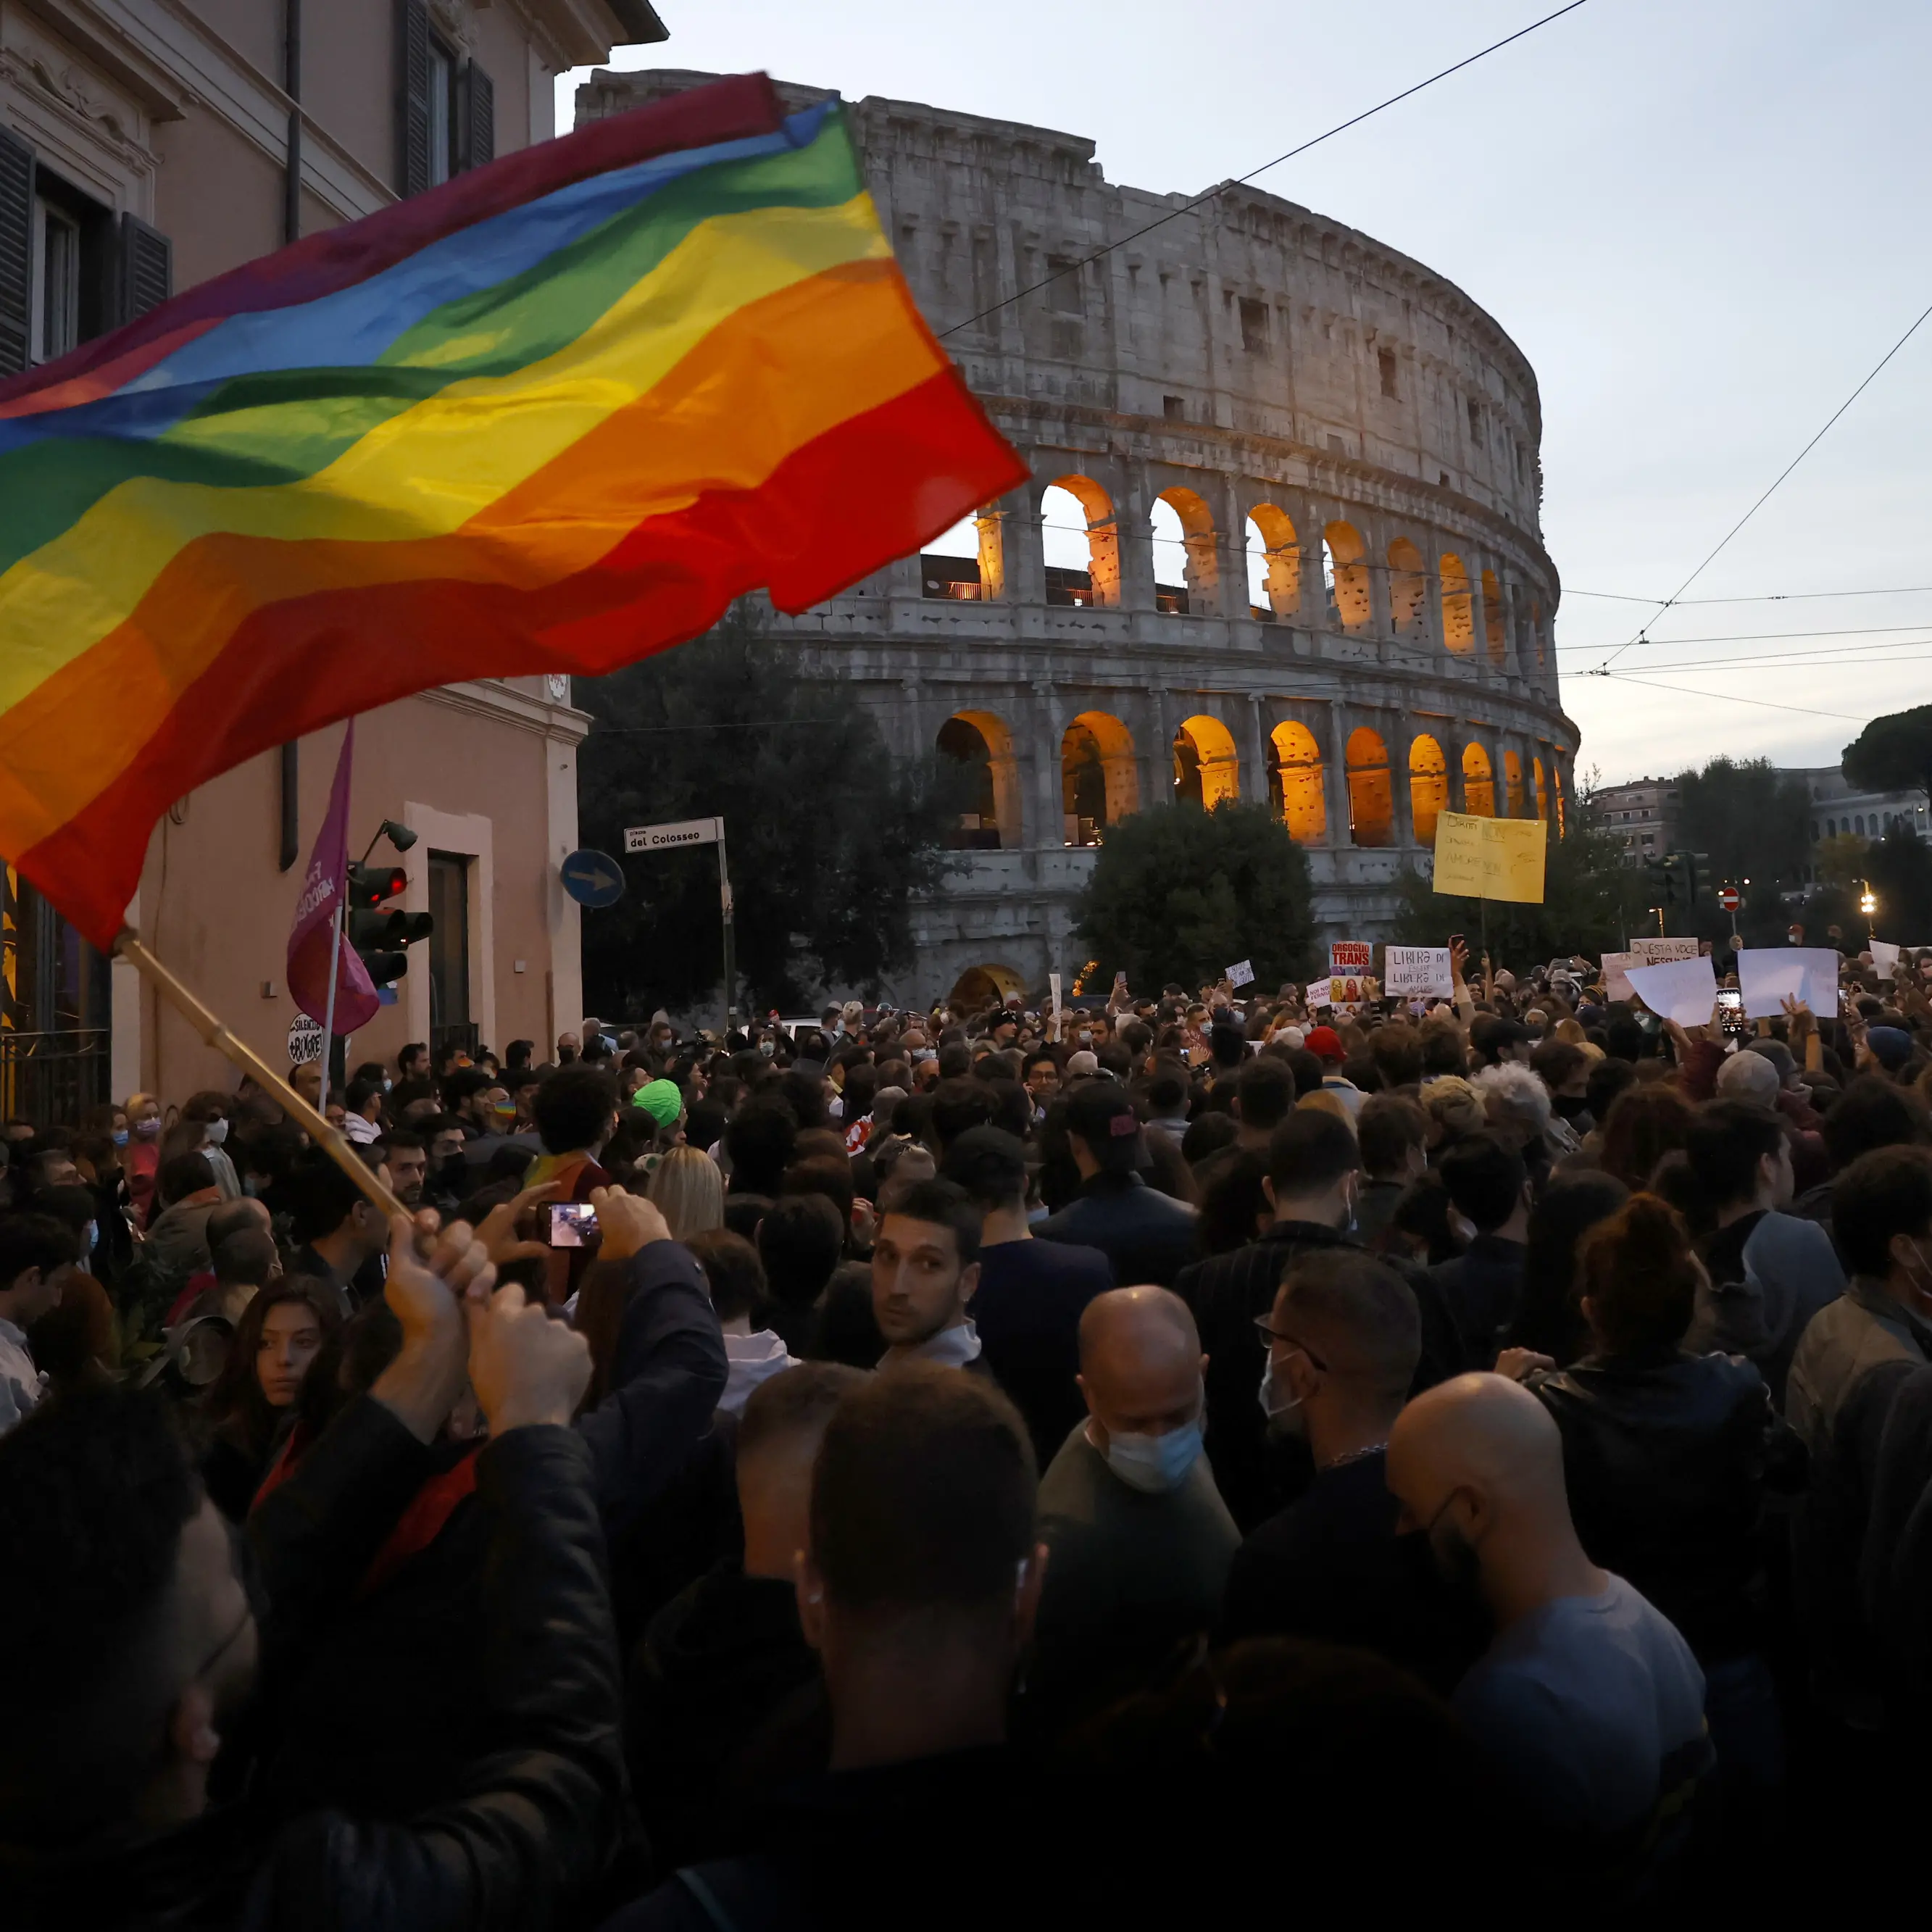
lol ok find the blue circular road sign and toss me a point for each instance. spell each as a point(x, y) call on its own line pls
point(593, 879)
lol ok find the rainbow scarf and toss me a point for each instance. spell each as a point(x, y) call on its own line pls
point(552, 416)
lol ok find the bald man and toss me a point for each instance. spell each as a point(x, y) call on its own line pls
point(1139, 1537)
point(1588, 1701)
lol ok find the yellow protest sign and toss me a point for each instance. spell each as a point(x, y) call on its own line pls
point(1489, 858)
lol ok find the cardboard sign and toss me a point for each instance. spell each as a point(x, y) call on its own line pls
point(1410, 972)
point(1241, 974)
point(1490, 858)
point(1660, 952)
point(1350, 962)
point(1767, 977)
point(1616, 968)
point(1683, 990)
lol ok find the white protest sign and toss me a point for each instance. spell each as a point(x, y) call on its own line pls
point(1768, 977)
point(304, 1040)
point(1683, 990)
point(1241, 974)
point(1412, 971)
point(1053, 992)
point(1885, 957)
point(1660, 952)
point(1616, 967)
point(1317, 994)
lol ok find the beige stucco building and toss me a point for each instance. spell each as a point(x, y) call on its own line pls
point(145, 146)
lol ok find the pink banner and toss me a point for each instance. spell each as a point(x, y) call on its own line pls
point(318, 915)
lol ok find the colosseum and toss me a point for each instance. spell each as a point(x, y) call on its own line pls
point(1281, 540)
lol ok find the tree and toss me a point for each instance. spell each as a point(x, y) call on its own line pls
point(1753, 821)
point(1179, 894)
point(1893, 753)
point(1592, 901)
point(830, 838)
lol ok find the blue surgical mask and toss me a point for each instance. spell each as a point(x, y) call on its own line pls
point(93, 1236)
point(120, 1137)
point(1154, 1464)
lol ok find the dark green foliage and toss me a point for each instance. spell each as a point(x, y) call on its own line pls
point(828, 837)
point(1893, 753)
point(1179, 894)
point(1752, 820)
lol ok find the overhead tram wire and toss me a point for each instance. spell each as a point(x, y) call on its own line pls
point(1756, 597)
point(1240, 181)
point(1602, 670)
point(1726, 697)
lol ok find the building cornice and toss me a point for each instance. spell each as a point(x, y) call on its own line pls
point(486, 697)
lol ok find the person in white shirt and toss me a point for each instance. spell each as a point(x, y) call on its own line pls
point(38, 1256)
point(926, 1265)
point(735, 1277)
point(362, 1112)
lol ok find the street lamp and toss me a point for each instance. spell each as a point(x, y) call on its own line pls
point(1868, 905)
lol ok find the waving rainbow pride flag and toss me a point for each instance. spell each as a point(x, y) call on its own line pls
point(552, 416)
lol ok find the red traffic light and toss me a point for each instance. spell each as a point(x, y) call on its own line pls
point(370, 885)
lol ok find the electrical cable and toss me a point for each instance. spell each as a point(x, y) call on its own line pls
point(1188, 207)
point(1775, 481)
point(1758, 597)
point(1726, 697)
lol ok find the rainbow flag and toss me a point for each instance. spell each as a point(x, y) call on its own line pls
point(552, 416)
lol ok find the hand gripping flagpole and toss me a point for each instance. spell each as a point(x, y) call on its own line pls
point(130, 948)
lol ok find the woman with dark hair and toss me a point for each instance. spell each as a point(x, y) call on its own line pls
point(281, 1331)
point(1548, 1320)
point(1665, 1458)
point(1645, 1123)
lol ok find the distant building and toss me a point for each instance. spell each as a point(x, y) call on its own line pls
point(1642, 815)
point(1839, 808)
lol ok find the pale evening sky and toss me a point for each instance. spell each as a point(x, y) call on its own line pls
point(1703, 224)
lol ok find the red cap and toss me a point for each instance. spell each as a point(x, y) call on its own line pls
point(1325, 1043)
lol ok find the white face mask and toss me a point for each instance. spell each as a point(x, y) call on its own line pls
point(216, 1132)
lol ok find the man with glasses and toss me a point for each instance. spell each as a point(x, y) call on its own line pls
point(1343, 1340)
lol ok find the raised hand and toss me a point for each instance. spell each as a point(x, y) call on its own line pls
point(527, 1369)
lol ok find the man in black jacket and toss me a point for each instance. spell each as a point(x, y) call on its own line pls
point(145, 1646)
point(1489, 1186)
point(1146, 1236)
point(1314, 1172)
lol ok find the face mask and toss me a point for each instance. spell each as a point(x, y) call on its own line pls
point(120, 1137)
point(251, 1187)
point(215, 1133)
point(93, 1236)
point(1154, 1464)
point(148, 1129)
point(1284, 1411)
point(768, 1048)
point(385, 1086)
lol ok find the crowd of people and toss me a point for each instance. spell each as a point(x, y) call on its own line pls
point(958, 1464)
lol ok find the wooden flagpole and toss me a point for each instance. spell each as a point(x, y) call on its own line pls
point(131, 948)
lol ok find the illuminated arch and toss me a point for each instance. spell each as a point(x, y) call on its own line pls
point(1542, 794)
point(1206, 768)
point(1188, 549)
point(1074, 511)
point(1479, 783)
point(1428, 786)
point(982, 986)
point(1407, 587)
point(1098, 784)
point(1458, 624)
point(1295, 782)
point(1346, 572)
point(1371, 802)
point(1494, 633)
point(1513, 804)
point(1274, 564)
point(991, 815)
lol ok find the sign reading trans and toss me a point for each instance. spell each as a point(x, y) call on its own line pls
point(665, 837)
point(593, 879)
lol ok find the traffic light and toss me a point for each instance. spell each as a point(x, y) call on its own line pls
point(379, 935)
point(1697, 873)
point(1660, 876)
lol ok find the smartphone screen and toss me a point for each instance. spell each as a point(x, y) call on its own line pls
point(571, 1223)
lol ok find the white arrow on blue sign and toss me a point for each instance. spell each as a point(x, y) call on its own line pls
point(593, 879)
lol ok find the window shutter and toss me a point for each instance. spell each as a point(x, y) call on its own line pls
point(144, 270)
point(479, 117)
point(412, 97)
point(17, 251)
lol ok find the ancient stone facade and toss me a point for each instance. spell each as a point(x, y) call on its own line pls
point(1298, 474)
